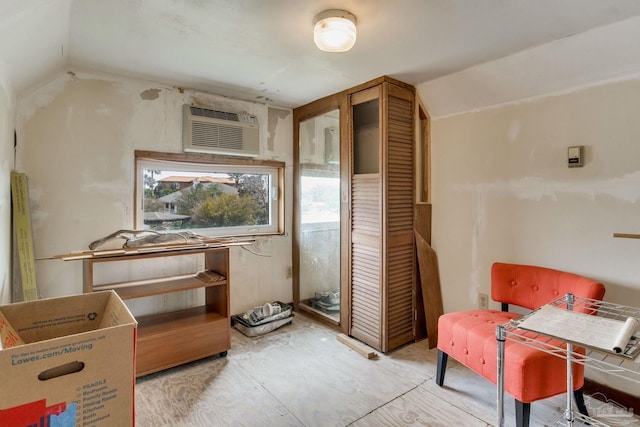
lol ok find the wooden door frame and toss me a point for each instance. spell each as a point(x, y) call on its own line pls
point(316, 108)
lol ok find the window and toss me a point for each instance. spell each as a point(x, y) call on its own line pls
point(209, 195)
point(320, 199)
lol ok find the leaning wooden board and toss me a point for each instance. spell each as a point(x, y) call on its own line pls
point(430, 282)
point(24, 277)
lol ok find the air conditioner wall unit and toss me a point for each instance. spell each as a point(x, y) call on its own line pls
point(219, 132)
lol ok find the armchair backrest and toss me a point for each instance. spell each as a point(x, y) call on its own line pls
point(531, 287)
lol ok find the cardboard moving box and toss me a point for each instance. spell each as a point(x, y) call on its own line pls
point(76, 366)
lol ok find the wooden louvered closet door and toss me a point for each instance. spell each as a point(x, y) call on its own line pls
point(365, 259)
point(382, 270)
point(400, 274)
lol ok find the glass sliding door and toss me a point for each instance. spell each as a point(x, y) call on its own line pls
point(318, 215)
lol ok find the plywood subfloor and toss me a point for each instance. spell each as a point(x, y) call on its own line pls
point(301, 375)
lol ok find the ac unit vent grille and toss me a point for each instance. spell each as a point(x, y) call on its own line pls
point(214, 114)
point(211, 135)
point(220, 132)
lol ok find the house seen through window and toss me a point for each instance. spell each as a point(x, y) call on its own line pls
point(208, 198)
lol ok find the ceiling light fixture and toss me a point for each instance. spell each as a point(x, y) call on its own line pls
point(335, 30)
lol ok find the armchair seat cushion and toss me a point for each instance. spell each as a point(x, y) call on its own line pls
point(530, 374)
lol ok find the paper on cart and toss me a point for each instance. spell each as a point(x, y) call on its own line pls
point(603, 333)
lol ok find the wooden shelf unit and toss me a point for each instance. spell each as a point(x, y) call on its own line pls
point(173, 338)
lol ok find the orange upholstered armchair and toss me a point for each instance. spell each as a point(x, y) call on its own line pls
point(470, 336)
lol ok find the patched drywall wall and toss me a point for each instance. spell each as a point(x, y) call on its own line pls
point(7, 102)
point(601, 54)
point(77, 140)
point(502, 191)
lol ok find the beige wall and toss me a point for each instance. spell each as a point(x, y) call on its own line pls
point(6, 165)
point(501, 188)
point(502, 191)
point(77, 136)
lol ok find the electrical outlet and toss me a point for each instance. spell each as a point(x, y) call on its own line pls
point(483, 301)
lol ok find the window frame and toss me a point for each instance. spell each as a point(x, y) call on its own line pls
point(191, 160)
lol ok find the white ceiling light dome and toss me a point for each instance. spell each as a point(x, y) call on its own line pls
point(335, 30)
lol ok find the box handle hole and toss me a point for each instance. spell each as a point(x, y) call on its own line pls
point(59, 371)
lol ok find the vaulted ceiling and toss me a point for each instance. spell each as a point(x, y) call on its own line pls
point(263, 50)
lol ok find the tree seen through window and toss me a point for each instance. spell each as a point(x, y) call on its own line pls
point(176, 200)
